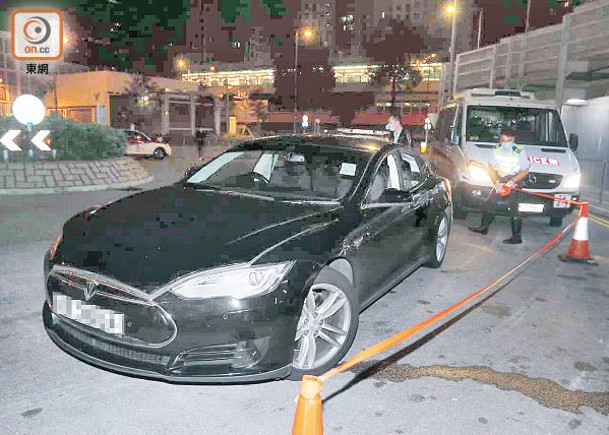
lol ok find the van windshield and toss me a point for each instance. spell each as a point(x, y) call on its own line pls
point(532, 126)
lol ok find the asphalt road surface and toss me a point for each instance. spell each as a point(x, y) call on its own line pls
point(531, 359)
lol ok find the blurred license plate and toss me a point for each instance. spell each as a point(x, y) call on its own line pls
point(530, 208)
point(561, 204)
point(91, 315)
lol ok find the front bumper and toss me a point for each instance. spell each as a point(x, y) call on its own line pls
point(474, 198)
point(208, 341)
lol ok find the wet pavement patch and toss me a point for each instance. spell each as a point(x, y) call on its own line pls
point(499, 311)
point(572, 278)
point(31, 412)
point(584, 366)
point(544, 391)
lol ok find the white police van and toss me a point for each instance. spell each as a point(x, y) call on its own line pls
point(467, 130)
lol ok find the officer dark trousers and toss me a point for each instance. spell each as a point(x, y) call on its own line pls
point(514, 199)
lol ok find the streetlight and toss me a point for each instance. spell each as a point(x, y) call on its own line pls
point(452, 9)
point(307, 34)
point(480, 24)
point(182, 64)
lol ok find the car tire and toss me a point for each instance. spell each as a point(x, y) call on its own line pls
point(159, 153)
point(556, 221)
point(338, 329)
point(440, 241)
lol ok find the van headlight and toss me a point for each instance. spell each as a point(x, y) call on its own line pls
point(573, 181)
point(237, 282)
point(478, 172)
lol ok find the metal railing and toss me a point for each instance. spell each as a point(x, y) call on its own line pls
point(594, 175)
point(542, 58)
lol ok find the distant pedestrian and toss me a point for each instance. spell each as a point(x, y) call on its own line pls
point(508, 165)
point(200, 140)
point(398, 133)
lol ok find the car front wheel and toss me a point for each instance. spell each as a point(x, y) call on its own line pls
point(159, 153)
point(327, 325)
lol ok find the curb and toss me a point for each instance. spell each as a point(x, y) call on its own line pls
point(602, 211)
point(70, 189)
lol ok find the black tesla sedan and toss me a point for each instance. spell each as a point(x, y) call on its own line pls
point(255, 266)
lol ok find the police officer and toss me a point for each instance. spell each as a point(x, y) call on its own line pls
point(398, 133)
point(508, 165)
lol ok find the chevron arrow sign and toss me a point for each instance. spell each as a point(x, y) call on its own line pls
point(8, 138)
point(38, 139)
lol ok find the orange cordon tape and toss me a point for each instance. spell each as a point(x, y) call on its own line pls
point(307, 420)
point(579, 250)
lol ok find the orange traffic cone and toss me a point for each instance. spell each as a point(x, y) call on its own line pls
point(578, 249)
point(307, 420)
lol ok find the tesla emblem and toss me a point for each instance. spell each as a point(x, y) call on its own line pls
point(90, 290)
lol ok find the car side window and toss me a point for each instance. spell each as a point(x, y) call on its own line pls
point(411, 171)
point(386, 177)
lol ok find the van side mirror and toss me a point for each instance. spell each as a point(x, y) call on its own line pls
point(454, 136)
point(573, 141)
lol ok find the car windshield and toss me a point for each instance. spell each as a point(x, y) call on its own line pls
point(532, 126)
point(307, 172)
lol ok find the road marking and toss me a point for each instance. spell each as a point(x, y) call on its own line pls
point(599, 221)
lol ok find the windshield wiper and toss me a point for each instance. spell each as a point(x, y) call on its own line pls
point(201, 186)
point(311, 201)
point(248, 194)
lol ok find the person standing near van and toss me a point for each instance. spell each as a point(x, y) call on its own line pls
point(398, 133)
point(508, 165)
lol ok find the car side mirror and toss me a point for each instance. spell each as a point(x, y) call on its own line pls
point(192, 171)
point(573, 141)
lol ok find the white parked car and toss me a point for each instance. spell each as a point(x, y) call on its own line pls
point(140, 144)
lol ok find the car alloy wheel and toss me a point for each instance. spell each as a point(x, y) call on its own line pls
point(159, 153)
point(440, 241)
point(326, 327)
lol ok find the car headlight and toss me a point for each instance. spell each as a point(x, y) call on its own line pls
point(477, 172)
point(573, 181)
point(55, 244)
point(237, 282)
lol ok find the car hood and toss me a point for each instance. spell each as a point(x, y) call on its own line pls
point(148, 239)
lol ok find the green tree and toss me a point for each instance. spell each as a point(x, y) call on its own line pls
point(145, 97)
point(401, 77)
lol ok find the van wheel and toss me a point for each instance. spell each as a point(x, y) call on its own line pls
point(556, 221)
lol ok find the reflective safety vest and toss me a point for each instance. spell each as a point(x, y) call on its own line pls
point(507, 162)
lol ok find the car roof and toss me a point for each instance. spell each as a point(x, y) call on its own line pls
point(354, 142)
